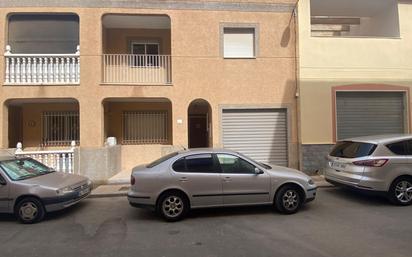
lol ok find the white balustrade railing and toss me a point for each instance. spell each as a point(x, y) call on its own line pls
point(137, 69)
point(59, 160)
point(42, 68)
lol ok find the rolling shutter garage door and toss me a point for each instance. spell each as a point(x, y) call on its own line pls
point(369, 113)
point(258, 133)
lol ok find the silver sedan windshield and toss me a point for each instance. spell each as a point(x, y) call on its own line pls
point(20, 169)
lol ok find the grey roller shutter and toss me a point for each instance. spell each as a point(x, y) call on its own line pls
point(261, 134)
point(369, 113)
point(43, 33)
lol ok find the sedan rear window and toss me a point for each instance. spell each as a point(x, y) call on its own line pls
point(349, 149)
point(162, 159)
point(202, 163)
point(198, 163)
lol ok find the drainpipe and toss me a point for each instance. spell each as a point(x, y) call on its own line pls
point(297, 89)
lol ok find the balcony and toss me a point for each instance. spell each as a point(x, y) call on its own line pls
point(39, 69)
point(353, 18)
point(42, 49)
point(136, 50)
point(136, 69)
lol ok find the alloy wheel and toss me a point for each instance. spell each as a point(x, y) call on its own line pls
point(172, 206)
point(403, 191)
point(290, 200)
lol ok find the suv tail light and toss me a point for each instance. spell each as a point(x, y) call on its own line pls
point(132, 180)
point(371, 163)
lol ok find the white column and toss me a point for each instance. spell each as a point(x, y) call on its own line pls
point(34, 70)
point(29, 71)
point(18, 70)
point(67, 70)
point(7, 70)
point(12, 70)
point(45, 75)
point(23, 70)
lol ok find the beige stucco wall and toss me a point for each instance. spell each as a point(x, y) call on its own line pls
point(198, 72)
point(329, 62)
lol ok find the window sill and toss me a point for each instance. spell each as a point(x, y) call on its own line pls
point(240, 58)
point(358, 37)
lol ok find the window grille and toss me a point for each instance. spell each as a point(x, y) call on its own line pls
point(145, 127)
point(60, 127)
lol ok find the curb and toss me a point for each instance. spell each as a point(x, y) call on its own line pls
point(107, 195)
point(325, 185)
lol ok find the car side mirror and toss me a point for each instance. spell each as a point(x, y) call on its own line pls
point(2, 181)
point(258, 171)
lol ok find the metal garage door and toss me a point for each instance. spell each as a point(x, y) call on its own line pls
point(258, 133)
point(369, 113)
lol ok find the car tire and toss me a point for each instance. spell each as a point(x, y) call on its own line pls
point(400, 192)
point(173, 206)
point(29, 210)
point(288, 199)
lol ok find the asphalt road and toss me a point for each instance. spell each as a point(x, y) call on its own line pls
point(337, 223)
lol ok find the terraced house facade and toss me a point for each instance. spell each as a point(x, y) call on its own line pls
point(98, 86)
point(355, 72)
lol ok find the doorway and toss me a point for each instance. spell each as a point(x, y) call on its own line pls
point(199, 124)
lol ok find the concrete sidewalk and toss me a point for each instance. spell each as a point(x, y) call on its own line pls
point(120, 189)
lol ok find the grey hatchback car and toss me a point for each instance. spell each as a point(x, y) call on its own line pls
point(29, 189)
point(378, 164)
point(201, 178)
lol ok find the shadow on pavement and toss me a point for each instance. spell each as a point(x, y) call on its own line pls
point(145, 214)
point(5, 217)
point(149, 215)
point(358, 196)
point(65, 213)
point(231, 211)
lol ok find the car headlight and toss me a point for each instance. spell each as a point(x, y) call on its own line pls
point(311, 182)
point(64, 191)
point(89, 183)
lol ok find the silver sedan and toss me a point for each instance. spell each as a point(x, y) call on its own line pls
point(201, 178)
point(30, 189)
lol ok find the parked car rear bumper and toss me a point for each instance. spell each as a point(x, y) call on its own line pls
point(140, 201)
point(363, 182)
point(355, 187)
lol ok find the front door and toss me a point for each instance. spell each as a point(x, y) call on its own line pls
point(241, 185)
point(4, 195)
point(198, 134)
point(199, 176)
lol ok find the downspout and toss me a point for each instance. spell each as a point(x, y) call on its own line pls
point(297, 89)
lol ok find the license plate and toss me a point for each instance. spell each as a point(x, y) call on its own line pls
point(84, 191)
point(337, 165)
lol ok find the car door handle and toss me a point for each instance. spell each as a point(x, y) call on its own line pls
point(227, 179)
point(183, 179)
